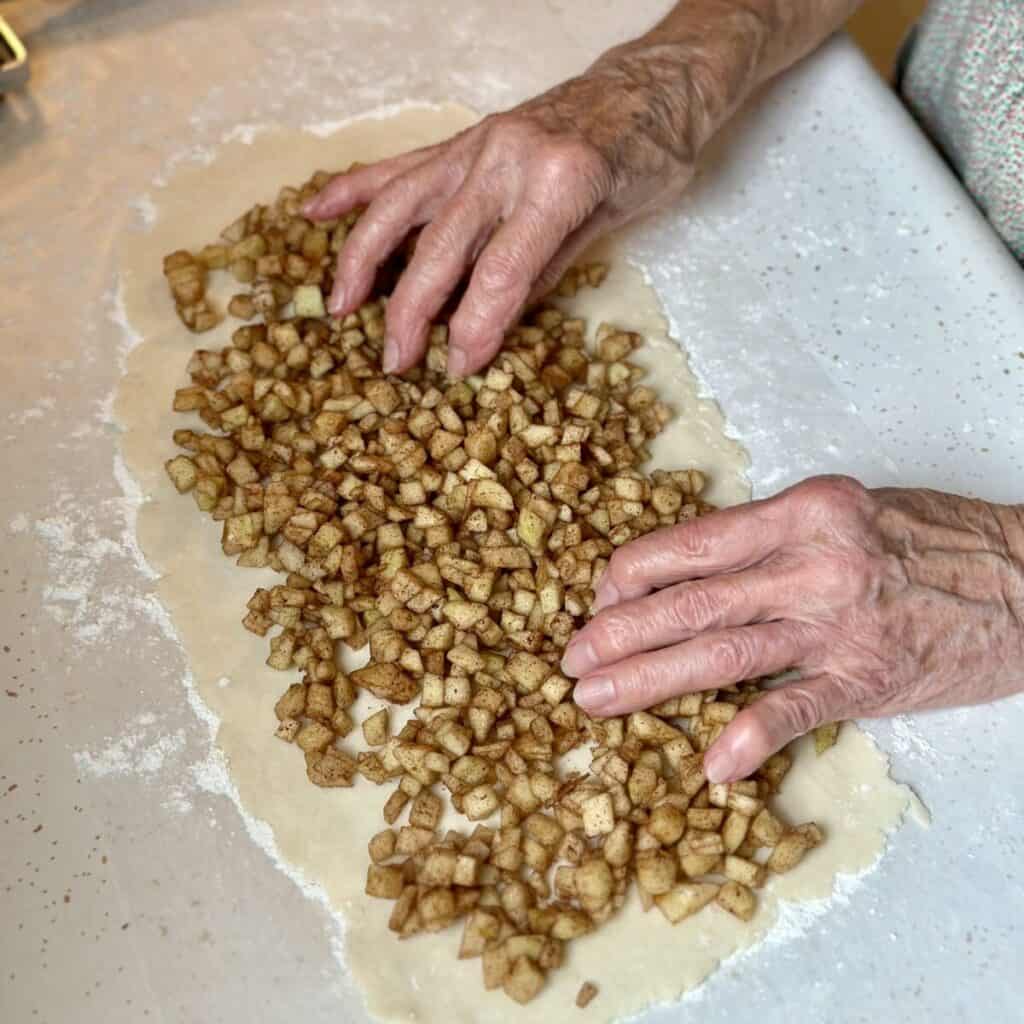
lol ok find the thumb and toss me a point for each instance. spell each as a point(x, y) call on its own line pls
point(768, 724)
point(577, 243)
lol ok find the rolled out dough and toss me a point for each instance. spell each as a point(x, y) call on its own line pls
point(636, 959)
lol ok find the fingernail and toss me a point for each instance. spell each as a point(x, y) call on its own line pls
point(594, 694)
point(389, 360)
point(719, 765)
point(579, 658)
point(309, 207)
point(607, 593)
point(457, 362)
point(336, 303)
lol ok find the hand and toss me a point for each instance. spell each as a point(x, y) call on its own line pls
point(885, 601)
point(514, 200)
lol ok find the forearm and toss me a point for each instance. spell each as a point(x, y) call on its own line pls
point(699, 64)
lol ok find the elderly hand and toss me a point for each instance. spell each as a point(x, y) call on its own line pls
point(513, 199)
point(884, 600)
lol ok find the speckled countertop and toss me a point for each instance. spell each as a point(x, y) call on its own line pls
point(839, 295)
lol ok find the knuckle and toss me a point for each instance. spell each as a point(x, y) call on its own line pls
point(370, 236)
point(404, 310)
point(732, 656)
point(827, 494)
point(439, 249)
point(504, 123)
point(569, 161)
point(693, 608)
point(395, 199)
point(437, 239)
point(498, 273)
point(689, 540)
point(355, 263)
point(567, 182)
point(801, 708)
point(640, 683)
point(615, 632)
point(505, 138)
point(476, 326)
point(336, 190)
point(557, 164)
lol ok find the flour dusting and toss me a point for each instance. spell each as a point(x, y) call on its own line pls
point(81, 558)
point(245, 133)
point(33, 412)
point(146, 209)
point(138, 751)
point(89, 536)
point(211, 775)
point(142, 749)
point(323, 129)
point(908, 742)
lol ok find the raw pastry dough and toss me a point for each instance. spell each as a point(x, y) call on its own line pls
point(636, 959)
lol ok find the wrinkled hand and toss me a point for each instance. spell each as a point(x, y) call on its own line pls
point(514, 200)
point(885, 601)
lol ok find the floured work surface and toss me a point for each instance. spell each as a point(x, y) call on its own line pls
point(635, 958)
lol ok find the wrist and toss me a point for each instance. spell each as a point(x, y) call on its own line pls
point(693, 78)
point(964, 547)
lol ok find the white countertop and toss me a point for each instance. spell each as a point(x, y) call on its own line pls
point(839, 295)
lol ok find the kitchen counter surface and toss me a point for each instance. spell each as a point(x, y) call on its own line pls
point(839, 295)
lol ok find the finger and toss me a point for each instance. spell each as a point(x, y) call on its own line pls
point(406, 203)
point(704, 663)
point(502, 281)
point(734, 538)
point(577, 243)
point(344, 192)
point(445, 249)
point(768, 724)
point(675, 614)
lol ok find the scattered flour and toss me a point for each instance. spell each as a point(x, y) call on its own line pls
point(908, 742)
point(191, 155)
point(82, 558)
point(210, 775)
point(793, 921)
point(323, 129)
point(178, 801)
point(796, 919)
point(245, 133)
point(146, 209)
point(142, 749)
point(33, 412)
